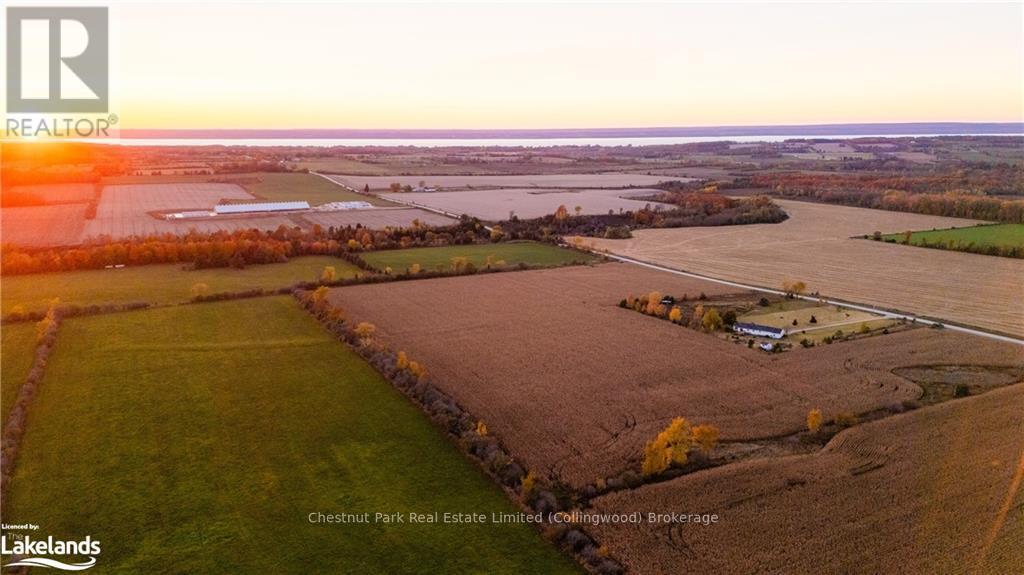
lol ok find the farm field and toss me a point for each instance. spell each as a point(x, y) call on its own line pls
point(47, 194)
point(513, 253)
point(1000, 235)
point(921, 492)
point(587, 383)
point(127, 210)
point(133, 201)
point(284, 187)
point(164, 283)
point(497, 205)
point(618, 180)
point(254, 452)
point(816, 245)
point(19, 346)
point(40, 226)
point(376, 218)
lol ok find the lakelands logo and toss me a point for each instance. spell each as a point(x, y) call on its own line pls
point(58, 64)
point(25, 551)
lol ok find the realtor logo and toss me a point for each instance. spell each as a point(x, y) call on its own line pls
point(58, 60)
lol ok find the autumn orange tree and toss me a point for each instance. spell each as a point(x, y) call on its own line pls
point(673, 445)
point(814, 420)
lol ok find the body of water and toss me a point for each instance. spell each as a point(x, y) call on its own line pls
point(493, 142)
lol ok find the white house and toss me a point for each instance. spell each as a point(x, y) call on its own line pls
point(759, 330)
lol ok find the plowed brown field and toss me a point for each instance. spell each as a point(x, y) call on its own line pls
point(815, 245)
point(574, 385)
point(922, 492)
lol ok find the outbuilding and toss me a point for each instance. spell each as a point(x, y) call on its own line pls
point(759, 330)
point(257, 207)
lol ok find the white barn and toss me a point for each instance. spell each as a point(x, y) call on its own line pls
point(257, 207)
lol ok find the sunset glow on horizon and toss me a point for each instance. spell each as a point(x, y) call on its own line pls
point(193, 66)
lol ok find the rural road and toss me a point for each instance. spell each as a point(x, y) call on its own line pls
point(882, 312)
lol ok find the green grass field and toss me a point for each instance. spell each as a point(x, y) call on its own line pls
point(513, 253)
point(1000, 235)
point(17, 348)
point(280, 187)
point(186, 458)
point(157, 283)
point(269, 186)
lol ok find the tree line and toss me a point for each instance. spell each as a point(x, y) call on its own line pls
point(960, 194)
point(234, 249)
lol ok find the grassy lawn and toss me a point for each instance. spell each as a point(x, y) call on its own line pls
point(165, 283)
point(268, 186)
point(513, 253)
point(183, 458)
point(824, 315)
point(16, 352)
point(1001, 235)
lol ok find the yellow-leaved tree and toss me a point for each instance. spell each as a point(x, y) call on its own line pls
point(671, 446)
point(676, 315)
point(814, 419)
point(706, 437)
point(329, 274)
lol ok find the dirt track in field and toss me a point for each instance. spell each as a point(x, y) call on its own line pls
point(575, 386)
point(815, 245)
point(921, 492)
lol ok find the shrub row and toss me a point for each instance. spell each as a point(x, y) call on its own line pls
point(469, 433)
point(14, 426)
point(75, 310)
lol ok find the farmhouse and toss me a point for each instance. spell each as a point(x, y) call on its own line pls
point(761, 330)
point(257, 207)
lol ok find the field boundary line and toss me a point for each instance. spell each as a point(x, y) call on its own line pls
point(889, 314)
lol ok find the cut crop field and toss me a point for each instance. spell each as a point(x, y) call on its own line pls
point(816, 245)
point(48, 194)
point(379, 183)
point(165, 283)
point(497, 205)
point(586, 384)
point(132, 201)
point(18, 350)
point(187, 459)
point(41, 226)
point(999, 235)
point(512, 253)
point(930, 491)
point(378, 218)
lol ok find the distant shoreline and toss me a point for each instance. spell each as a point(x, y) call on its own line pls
point(812, 130)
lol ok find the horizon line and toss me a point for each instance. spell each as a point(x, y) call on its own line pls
point(826, 129)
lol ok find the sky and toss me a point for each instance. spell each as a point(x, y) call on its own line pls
point(563, 65)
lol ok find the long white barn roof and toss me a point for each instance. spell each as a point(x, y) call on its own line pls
point(260, 207)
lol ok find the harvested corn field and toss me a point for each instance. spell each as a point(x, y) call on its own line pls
point(40, 226)
point(815, 245)
point(497, 205)
point(930, 491)
point(581, 384)
point(377, 183)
